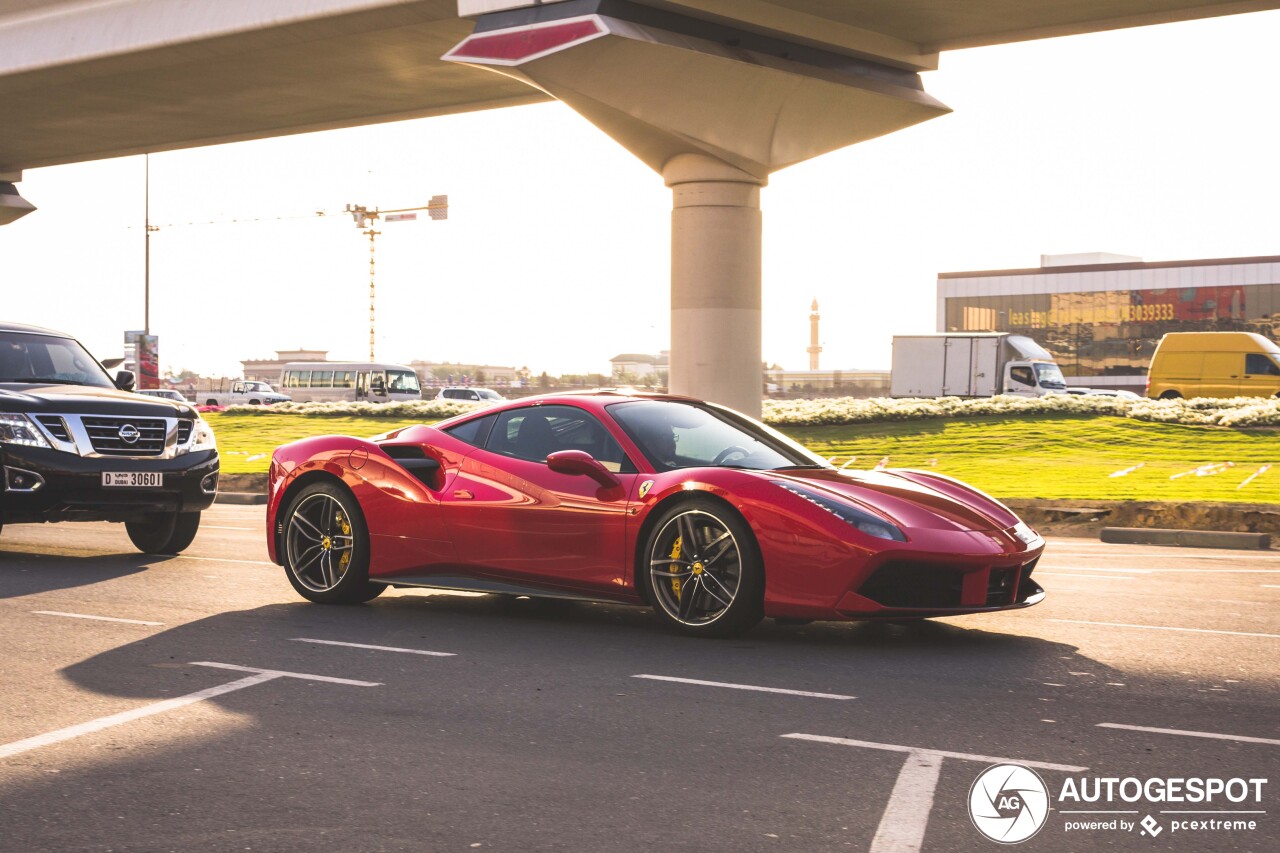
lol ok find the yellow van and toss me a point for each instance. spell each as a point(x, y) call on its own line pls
point(1214, 364)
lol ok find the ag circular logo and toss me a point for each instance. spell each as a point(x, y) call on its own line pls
point(1008, 803)
point(129, 434)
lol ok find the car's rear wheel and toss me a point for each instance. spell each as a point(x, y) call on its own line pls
point(211, 402)
point(164, 532)
point(326, 547)
point(703, 571)
point(1170, 395)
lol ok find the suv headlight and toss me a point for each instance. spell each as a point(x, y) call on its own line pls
point(872, 525)
point(202, 436)
point(19, 429)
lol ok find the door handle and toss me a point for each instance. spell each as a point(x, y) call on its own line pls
point(463, 495)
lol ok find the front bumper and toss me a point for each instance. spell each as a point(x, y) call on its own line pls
point(38, 484)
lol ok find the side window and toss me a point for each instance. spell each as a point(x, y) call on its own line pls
point(474, 431)
point(1022, 375)
point(322, 379)
point(1257, 364)
point(535, 432)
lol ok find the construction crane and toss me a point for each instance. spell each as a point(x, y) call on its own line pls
point(437, 208)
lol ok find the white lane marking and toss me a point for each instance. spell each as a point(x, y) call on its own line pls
point(1185, 733)
point(221, 560)
point(1167, 628)
point(280, 673)
point(1271, 586)
point(905, 819)
point(128, 716)
point(1095, 577)
point(258, 677)
point(1095, 569)
point(95, 618)
point(1226, 555)
point(376, 648)
point(963, 756)
point(744, 687)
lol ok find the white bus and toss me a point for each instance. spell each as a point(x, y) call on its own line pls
point(336, 382)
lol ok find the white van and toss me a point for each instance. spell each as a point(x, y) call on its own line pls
point(337, 382)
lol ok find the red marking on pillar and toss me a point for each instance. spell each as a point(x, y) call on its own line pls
point(517, 45)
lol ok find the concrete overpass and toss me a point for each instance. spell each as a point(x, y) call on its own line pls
point(714, 95)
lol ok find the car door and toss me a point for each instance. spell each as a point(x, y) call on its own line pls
point(514, 518)
point(1222, 372)
point(1261, 376)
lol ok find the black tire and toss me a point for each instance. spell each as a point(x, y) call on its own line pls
point(326, 519)
point(211, 402)
point(1170, 395)
point(669, 570)
point(164, 533)
point(255, 402)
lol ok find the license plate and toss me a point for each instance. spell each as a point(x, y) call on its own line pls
point(132, 479)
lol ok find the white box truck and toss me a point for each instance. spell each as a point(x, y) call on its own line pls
point(972, 364)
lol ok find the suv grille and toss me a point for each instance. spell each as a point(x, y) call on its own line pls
point(106, 438)
point(184, 431)
point(56, 426)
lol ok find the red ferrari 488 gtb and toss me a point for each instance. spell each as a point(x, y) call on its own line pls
point(710, 517)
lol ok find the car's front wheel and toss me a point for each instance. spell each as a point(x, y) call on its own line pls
point(703, 571)
point(326, 547)
point(164, 532)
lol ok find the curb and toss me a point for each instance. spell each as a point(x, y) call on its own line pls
point(1187, 538)
point(242, 498)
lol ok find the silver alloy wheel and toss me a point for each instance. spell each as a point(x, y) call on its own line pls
point(319, 542)
point(695, 568)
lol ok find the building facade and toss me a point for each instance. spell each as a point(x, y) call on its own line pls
point(1102, 315)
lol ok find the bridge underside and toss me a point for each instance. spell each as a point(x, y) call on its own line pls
point(712, 94)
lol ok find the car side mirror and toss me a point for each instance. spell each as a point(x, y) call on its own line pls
point(125, 379)
point(579, 462)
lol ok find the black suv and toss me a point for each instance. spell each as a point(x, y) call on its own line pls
point(75, 445)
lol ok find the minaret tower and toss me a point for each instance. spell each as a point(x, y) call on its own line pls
point(814, 349)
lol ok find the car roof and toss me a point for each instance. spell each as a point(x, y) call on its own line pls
point(595, 399)
point(6, 326)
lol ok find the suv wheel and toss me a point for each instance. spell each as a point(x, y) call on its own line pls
point(164, 533)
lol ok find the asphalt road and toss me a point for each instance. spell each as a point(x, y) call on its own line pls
point(189, 729)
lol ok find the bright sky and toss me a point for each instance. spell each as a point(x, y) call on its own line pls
point(1158, 142)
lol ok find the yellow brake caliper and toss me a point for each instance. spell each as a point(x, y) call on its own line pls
point(675, 555)
point(346, 531)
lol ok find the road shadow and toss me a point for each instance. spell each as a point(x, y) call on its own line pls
point(23, 573)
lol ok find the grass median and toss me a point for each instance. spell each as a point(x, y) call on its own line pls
point(1069, 458)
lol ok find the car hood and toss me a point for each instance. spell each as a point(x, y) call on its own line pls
point(86, 400)
point(910, 498)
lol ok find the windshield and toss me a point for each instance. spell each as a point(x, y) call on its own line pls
point(486, 394)
point(1050, 375)
point(257, 386)
point(46, 360)
point(686, 435)
point(404, 381)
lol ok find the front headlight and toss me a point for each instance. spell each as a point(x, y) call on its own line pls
point(18, 429)
point(872, 525)
point(1025, 534)
point(202, 436)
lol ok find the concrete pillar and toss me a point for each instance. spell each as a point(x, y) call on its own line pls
point(715, 282)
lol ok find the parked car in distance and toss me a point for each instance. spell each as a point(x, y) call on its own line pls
point(77, 445)
point(710, 517)
point(1214, 364)
point(472, 395)
point(242, 392)
point(1104, 392)
point(164, 394)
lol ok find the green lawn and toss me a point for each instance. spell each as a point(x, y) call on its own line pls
point(1044, 457)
